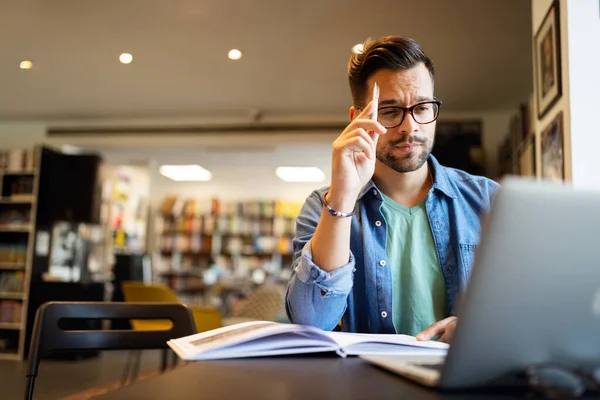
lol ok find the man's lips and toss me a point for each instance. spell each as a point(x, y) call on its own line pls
point(407, 146)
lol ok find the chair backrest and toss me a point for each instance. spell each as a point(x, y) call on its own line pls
point(206, 318)
point(139, 292)
point(48, 337)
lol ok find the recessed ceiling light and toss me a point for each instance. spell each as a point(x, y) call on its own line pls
point(185, 173)
point(26, 64)
point(300, 174)
point(357, 48)
point(126, 58)
point(234, 54)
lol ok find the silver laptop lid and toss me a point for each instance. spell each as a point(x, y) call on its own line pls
point(534, 292)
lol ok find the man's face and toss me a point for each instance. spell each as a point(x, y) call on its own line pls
point(406, 147)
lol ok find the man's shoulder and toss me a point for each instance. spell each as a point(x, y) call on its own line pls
point(462, 177)
point(465, 183)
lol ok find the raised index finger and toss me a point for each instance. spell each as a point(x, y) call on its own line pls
point(367, 112)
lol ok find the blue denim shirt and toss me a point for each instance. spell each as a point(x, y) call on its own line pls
point(360, 292)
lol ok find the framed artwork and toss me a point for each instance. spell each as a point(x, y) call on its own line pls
point(547, 61)
point(553, 165)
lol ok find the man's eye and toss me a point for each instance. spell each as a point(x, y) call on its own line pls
point(389, 113)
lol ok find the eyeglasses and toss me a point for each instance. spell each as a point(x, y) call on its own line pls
point(423, 113)
point(559, 381)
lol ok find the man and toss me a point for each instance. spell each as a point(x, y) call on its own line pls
point(389, 245)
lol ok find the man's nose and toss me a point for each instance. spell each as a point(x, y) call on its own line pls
point(408, 125)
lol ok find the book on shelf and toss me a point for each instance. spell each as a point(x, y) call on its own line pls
point(16, 160)
point(13, 252)
point(265, 338)
point(10, 311)
point(14, 217)
point(12, 282)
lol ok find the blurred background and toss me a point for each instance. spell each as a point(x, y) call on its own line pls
point(158, 141)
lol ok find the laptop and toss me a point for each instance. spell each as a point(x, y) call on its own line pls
point(533, 295)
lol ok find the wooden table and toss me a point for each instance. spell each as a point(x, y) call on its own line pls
point(282, 378)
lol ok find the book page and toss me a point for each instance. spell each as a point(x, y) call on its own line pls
point(346, 340)
point(244, 334)
point(285, 343)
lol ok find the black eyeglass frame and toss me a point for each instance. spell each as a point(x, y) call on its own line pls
point(410, 110)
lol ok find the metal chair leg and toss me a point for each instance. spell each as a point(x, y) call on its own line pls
point(127, 368)
point(164, 359)
point(136, 366)
point(175, 359)
point(29, 390)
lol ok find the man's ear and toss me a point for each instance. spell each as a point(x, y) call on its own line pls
point(353, 112)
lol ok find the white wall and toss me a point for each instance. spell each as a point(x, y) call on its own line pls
point(21, 134)
point(583, 19)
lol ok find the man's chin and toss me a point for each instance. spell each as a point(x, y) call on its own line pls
point(405, 165)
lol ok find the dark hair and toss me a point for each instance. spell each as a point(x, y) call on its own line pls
point(389, 52)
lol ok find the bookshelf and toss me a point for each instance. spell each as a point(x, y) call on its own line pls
point(245, 240)
point(18, 195)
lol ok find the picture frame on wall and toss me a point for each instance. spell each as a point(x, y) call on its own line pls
point(553, 164)
point(547, 65)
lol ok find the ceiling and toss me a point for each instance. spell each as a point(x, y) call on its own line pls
point(294, 55)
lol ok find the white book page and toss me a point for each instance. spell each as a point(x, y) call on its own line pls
point(346, 340)
point(228, 338)
point(363, 349)
point(272, 345)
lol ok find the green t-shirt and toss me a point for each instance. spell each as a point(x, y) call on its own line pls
point(418, 288)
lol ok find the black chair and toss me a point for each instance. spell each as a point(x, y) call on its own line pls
point(48, 337)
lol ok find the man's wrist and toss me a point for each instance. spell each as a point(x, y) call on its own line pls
point(340, 202)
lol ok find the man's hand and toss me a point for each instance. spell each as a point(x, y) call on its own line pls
point(444, 327)
point(353, 158)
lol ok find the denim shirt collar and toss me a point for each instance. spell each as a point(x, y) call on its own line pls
point(441, 181)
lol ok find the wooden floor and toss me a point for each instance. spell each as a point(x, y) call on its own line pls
point(61, 378)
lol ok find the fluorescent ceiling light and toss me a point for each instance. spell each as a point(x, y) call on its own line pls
point(234, 54)
point(126, 58)
point(185, 173)
point(69, 149)
point(357, 48)
point(300, 174)
point(26, 64)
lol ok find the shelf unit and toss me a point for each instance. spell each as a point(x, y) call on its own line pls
point(242, 238)
point(18, 198)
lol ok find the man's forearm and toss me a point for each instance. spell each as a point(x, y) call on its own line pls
point(330, 245)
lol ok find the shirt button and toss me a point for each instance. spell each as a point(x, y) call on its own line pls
point(383, 314)
point(382, 263)
point(374, 192)
point(377, 223)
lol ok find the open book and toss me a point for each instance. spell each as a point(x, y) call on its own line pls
point(261, 338)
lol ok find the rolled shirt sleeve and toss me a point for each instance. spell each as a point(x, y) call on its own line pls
point(315, 297)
